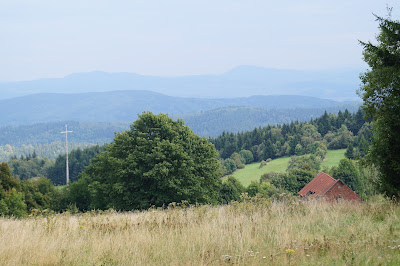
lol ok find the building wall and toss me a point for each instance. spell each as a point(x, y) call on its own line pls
point(341, 191)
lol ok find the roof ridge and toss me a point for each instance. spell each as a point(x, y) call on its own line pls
point(327, 175)
point(319, 184)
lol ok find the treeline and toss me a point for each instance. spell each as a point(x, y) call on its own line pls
point(207, 123)
point(18, 198)
point(243, 118)
point(46, 140)
point(50, 151)
point(35, 166)
point(46, 133)
point(78, 160)
point(27, 183)
point(297, 138)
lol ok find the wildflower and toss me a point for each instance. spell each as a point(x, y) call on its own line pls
point(289, 251)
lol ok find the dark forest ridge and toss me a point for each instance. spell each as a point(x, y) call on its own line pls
point(242, 81)
point(209, 124)
point(126, 105)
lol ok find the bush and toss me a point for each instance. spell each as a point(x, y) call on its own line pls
point(294, 180)
point(239, 160)
point(264, 190)
point(247, 156)
point(267, 177)
point(231, 189)
point(229, 166)
point(13, 204)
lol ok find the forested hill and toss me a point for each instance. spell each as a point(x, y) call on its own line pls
point(125, 105)
point(237, 119)
point(209, 124)
point(45, 133)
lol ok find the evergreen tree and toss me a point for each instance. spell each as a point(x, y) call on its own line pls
point(381, 95)
point(350, 152)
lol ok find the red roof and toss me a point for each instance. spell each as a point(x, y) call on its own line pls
point(318, 186)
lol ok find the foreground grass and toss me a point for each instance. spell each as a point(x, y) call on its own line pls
point(252, 172)
point(256, 232)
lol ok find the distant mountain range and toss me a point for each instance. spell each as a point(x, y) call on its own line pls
point(118, 106)
point(242, 81)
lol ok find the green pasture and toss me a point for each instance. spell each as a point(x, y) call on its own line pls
point(252, 172)
point(333, 158)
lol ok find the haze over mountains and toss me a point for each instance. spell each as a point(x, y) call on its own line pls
point(126, 105)
point(242, 81)
point(240, 99)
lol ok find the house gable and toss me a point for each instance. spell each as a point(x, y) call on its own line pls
point(324, 185)
point(340, 191)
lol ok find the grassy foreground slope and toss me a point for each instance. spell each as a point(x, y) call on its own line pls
point(255, 232)
point(252, 172)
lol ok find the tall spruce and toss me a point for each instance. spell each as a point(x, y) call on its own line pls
point(381, 95)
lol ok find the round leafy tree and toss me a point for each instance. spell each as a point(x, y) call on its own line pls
point(156, 162)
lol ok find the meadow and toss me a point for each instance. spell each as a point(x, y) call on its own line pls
point(333, 158)
point(254, 232)
point(252, 172)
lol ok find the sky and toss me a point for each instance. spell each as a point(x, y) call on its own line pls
point(47, 38)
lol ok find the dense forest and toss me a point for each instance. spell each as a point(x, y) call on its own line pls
point(51, 150)
point(46, 133)
point(237, 119)
point(344, 130)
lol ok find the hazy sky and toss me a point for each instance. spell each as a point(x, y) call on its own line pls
point(48, 38)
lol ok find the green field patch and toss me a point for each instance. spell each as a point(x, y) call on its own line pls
point(333, 158)
point(252, 172)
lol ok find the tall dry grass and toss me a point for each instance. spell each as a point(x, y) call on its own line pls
point(255, 232)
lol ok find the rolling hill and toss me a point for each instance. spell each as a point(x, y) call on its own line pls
point(115, 106)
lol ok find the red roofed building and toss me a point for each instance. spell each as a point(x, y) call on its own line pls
point(325, 186)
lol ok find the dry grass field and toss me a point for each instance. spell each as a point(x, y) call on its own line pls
point(254, 232)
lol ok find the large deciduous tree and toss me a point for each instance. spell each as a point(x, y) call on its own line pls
point(156, 162)
point(380, 91)
point(11, 198)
